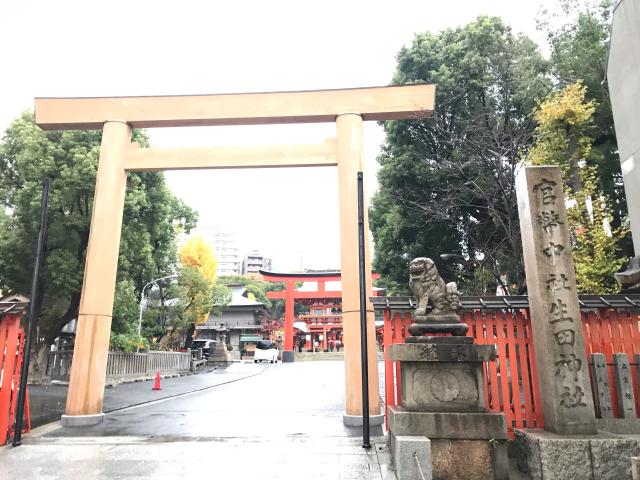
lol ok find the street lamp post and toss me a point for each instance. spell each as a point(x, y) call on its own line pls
point(142, 302)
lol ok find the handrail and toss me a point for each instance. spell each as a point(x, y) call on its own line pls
point(123, 364)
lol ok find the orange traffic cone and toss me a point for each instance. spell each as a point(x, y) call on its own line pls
point(156, 384)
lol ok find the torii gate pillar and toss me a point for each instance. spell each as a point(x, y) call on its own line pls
point(350, 162)
point(86, 384)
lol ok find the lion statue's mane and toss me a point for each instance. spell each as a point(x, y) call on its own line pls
point(426, 284)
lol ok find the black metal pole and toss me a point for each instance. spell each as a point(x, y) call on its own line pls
point(366, 443)
point(17, 433)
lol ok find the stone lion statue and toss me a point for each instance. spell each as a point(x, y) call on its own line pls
point(427, 285)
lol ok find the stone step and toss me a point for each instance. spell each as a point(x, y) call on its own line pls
point(324, 356)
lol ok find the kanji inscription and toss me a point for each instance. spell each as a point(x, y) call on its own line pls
point(559, 312)
point(557, 283)
point(549, 220)
point(553, 250)
point(546, 188)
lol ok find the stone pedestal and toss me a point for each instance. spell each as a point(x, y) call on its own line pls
point(288, 356)
point(549, 456)
point(219, 354)
point(443, 399)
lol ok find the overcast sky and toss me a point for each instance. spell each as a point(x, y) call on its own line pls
point(153, 47)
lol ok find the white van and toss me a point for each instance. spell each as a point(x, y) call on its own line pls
point(265, 350)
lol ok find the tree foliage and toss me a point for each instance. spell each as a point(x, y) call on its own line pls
point(258, 290)
point(177, 309)
point(197, 277)
point(197, 253)
point(195, 296)
point(152, 217)
point(578, 33)
point(564, 137)
point(447, 183)
point(124, 332)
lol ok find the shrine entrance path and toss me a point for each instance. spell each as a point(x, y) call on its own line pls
point(283, 423)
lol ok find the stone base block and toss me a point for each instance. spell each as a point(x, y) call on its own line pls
point(459, 426)
point(549, 456)
point(469, 459)
point(356, 420)
point(442, 377)
point(288, 357)
point(412, 457)
point(218, 358)
point(619, 425)
point(460, 459)
point(470, 446)
point(635, 468)
point(81, 420)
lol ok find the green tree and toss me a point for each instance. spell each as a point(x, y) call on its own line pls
point(564, 137)
point(578, 33)
point(447, 183)
point(152, 218)
point(221, 296)
point(195, 301)
point(124, 323)
point(125, 308)
point(258, 290)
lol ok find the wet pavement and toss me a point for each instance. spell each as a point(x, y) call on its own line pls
point(234, 458)
point(48, 401)
point(282, 421)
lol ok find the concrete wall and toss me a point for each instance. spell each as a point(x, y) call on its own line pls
point(623, 73)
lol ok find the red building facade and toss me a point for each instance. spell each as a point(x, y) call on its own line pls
point(322, 293)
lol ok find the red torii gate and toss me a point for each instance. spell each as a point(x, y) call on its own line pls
point(290, 294)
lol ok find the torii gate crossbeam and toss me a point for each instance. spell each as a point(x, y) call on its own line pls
point(118, 115)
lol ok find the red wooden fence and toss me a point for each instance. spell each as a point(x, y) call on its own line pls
point(511, 380)
point(614, 331)
point(11, 344)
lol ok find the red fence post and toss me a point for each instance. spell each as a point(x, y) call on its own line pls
point(387, 340)
point(515, 382)
point(11, 344)
point(9, 326)
point(26, 424)
point(398, 337)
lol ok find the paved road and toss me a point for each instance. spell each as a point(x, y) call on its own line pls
point(48, 401)
point(283, 423)
point(294, 399)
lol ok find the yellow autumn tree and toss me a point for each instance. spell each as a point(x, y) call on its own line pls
point(198, 253)
point(197, 278)
point(564, 137)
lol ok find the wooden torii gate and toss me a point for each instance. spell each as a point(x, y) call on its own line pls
point(116, 116)
point(290, 295)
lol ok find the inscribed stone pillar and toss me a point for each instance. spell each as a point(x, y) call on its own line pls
point(563, 371)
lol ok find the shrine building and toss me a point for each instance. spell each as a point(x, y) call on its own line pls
point(321, 292)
